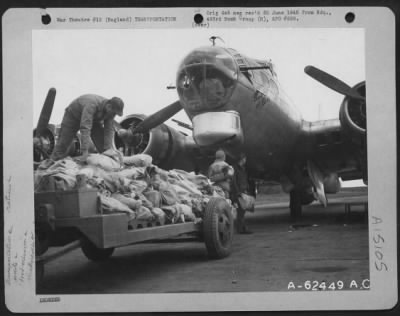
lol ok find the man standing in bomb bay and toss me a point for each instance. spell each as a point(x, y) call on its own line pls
point(93, 116)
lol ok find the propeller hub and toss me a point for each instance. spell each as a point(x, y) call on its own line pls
point(129, 137)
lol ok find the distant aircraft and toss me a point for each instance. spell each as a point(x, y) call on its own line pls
point(236, 103)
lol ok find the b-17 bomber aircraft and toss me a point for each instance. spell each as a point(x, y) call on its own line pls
point(236, 103)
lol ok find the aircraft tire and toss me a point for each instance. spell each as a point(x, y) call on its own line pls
point(42, 242)
point(39, 270)
point(295, 205)
point(93, 253)
point(39, 265)
point(218, 228)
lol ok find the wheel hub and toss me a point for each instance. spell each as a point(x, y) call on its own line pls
point(224, 228)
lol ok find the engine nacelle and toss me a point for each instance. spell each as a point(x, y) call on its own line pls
point(353, 116)
point(165, 145)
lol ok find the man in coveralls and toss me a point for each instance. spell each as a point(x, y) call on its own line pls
point(241, 184)
point(220, 172)
point(93, 116)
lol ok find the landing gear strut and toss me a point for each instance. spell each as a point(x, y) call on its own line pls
point(295, 205)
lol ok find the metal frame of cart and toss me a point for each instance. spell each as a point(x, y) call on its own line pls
point(69, 225)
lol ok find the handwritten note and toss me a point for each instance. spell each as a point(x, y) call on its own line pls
point(8, 246)
point(19, 245)
point(19, 261)
point(7, 194)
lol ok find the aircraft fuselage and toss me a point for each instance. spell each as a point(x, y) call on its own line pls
point(215, 79)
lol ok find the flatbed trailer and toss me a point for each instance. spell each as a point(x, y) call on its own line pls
point(73, 219)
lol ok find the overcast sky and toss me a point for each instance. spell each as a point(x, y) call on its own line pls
point(137, 65)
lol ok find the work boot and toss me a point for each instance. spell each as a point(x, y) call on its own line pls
point(245, 231)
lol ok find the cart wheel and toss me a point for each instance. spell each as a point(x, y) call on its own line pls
point(42, 242)
point(39, 273)
point(218, 228)
point(93, 253)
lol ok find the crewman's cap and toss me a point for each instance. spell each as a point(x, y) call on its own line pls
point(117, 105)
point(220, 154)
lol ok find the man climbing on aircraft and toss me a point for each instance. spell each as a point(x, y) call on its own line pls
point(93, 116)
point(221, 173)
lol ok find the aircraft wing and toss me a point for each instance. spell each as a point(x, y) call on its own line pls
point(333, 149)
point(338, 146)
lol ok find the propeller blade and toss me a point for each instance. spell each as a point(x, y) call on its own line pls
point(45, 114)
point(158, 118)
point(332, 82)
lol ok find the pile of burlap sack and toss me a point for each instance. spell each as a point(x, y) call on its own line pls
point(132, 185)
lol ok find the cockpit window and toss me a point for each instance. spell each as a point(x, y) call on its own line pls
point(248, 75)
point(216, 56)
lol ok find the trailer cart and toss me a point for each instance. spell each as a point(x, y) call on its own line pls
point(72, 219)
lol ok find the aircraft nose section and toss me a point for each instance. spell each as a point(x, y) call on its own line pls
point(206, 79)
